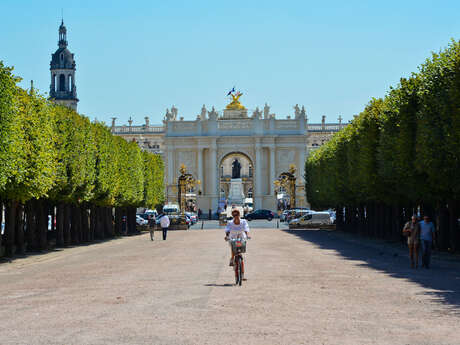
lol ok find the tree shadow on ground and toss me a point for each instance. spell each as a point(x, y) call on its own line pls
point(392, 258)
point(52, 249)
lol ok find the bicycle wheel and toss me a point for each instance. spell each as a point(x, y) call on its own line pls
point(237, 276)
point(240, 271)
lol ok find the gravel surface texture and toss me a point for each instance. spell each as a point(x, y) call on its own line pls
point(303, 287)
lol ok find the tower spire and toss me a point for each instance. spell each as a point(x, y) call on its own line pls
point(62, 35)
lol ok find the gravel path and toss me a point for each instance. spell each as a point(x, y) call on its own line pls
point(304, 287)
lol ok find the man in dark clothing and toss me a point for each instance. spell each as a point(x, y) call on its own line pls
point(152, 222)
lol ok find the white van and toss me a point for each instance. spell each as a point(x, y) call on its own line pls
point(171, 209)
point(312, 220)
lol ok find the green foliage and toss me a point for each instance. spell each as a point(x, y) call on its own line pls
point(400, 149)
point(153, 180)
point(50, 151)
point(8, 124)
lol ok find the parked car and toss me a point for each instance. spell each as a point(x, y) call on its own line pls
point(171, 209)
point(312, 219)
point(193, 217)
point(283, 215)
point(143, 215)
point(260, 214)
point(188, 220)
point(332, 214)
point(296, 213)
point(141, 221)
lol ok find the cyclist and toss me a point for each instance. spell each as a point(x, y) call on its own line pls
point(236, 228)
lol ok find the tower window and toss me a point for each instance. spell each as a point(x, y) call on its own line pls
point(61, 82)
point(62, 56)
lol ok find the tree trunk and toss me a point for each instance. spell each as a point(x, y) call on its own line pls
point(75, 228)
point(132, 220)
point(67, 224)
point(85, 224)
point(10, 225)
point(361, 220)
point(111, 219)
point(118, 221)
point(42, 224)
point(31, 225)
point(372, 219)
point(453, 226)
point(1, 222)
point(20, 244)
point(60, 224)
point(443, 226)
point(92, 223)
point(99, 226)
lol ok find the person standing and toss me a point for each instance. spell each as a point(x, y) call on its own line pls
point(164, 222)
point(427, 236)
point(152, 222)
point(412, 232)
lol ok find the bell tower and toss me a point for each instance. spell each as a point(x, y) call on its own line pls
point(62, 66)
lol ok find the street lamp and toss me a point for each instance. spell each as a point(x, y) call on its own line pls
point(287, 181)
point(186, 181)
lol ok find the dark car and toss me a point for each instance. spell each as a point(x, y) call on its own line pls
point(260, 214)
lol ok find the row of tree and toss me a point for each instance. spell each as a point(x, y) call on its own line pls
point(60, 171)
point(399, 157)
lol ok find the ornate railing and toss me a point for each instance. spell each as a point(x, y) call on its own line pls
point(137, 129)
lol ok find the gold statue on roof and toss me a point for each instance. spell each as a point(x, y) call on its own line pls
point(235, 103)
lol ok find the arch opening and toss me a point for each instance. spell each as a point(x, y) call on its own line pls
point(235, 179)
point(61, 82)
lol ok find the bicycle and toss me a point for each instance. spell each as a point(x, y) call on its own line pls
point(238, 248)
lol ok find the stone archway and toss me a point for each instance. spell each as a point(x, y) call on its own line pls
point(227, 178)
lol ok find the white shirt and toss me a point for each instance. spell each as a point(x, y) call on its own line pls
point(164, 221)
point(234, 231)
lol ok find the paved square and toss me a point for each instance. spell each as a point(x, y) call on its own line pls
point(304, 287)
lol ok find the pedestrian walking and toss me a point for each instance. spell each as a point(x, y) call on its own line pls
point(412, 231)
point(164, 222)
point(199, 213)
point(427, 236)
point(152, 223)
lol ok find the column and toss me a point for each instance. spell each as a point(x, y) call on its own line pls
point(258, 190)
point(300, 193)
point(53, 82)
point(170, 165)
point(200, 166)
point(213, 195)
point(272, 169)
point(213, 164)
point(300, 163)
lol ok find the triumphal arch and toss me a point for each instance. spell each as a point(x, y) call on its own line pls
point(236, 155)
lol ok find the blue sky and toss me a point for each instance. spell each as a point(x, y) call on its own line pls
point(137, 58)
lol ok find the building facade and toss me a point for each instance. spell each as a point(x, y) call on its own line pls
point(208, 146)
